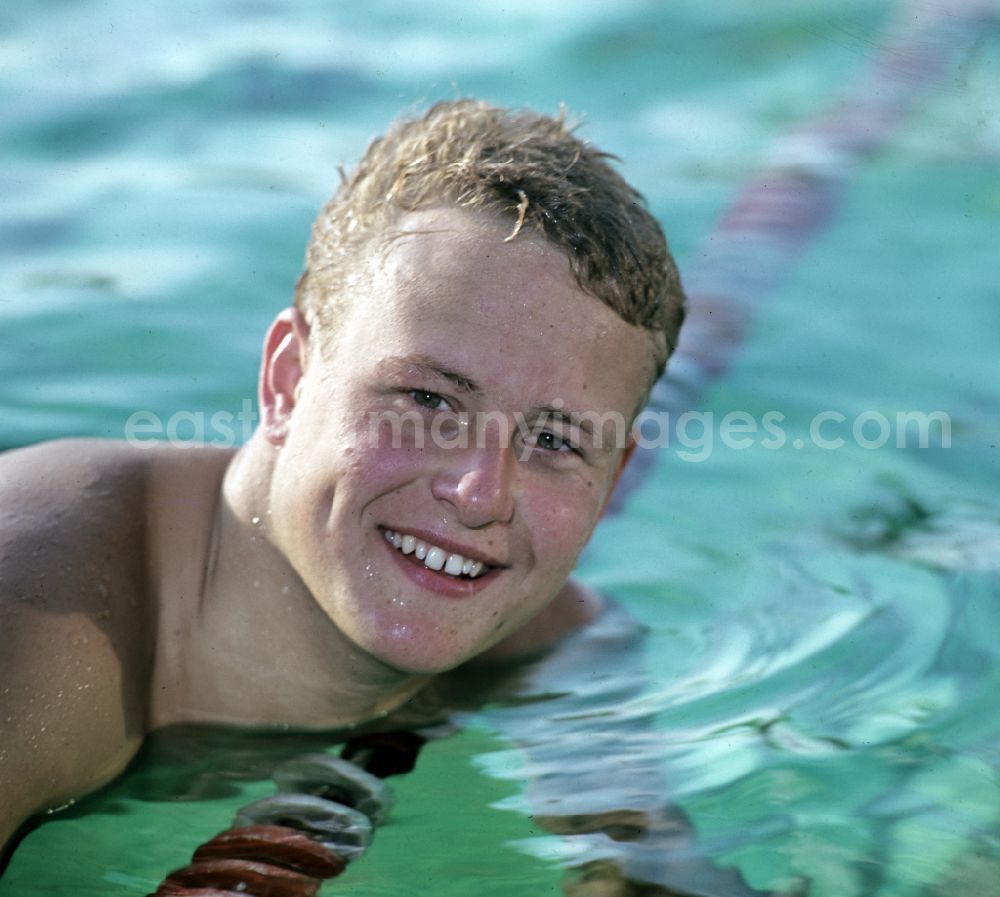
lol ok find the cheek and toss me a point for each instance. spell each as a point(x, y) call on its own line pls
point(381, 461)
point(351, 454)
point(562, 521)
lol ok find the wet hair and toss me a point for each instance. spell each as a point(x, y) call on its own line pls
point(527, 168)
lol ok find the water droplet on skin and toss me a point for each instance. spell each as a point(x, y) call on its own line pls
point(370, 570)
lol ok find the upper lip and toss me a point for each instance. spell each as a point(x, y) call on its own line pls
point(449, 545)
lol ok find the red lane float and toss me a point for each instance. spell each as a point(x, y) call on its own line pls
point(169, 889)
point(244, 877)
point(274, 844)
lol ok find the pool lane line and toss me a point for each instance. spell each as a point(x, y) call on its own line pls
point(795, 195)
point(321, 819)
point(286, 845)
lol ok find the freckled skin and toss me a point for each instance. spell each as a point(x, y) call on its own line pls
point(256, 587)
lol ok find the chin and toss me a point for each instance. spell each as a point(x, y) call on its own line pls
point(416, 653)
point(419, 662)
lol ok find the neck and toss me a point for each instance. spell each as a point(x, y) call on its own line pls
point(262, 651)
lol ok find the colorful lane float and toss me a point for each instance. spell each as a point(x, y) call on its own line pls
point(288, 844)
point(795, 195)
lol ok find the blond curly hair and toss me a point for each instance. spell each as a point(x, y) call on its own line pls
point(519, 165)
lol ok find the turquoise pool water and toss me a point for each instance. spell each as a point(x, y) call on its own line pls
point(823, 622)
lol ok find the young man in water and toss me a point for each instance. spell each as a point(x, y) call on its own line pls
point(444, 414)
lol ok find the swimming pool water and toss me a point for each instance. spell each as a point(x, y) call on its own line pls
point(823, 623)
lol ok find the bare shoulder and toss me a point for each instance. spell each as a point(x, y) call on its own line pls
point(75, 624)
point(68, 510)
point(575, 606)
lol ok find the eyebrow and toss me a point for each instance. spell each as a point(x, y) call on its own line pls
point(430, 366)
point(551, 412)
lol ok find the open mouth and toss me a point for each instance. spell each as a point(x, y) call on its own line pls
point(434, 557)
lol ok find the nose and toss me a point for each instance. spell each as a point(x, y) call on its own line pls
point(478, 484)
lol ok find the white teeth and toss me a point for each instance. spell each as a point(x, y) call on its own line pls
point(433, 557)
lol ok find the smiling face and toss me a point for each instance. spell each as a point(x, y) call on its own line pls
point(390, 442)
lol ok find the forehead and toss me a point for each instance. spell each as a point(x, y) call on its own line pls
point(463, 247)
point(448, 282)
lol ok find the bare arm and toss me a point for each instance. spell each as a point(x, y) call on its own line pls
point(72, 623)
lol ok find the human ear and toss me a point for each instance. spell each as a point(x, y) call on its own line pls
point(286, 349)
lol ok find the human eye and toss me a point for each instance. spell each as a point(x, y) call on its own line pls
point(429, 400)
point(553, 442)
